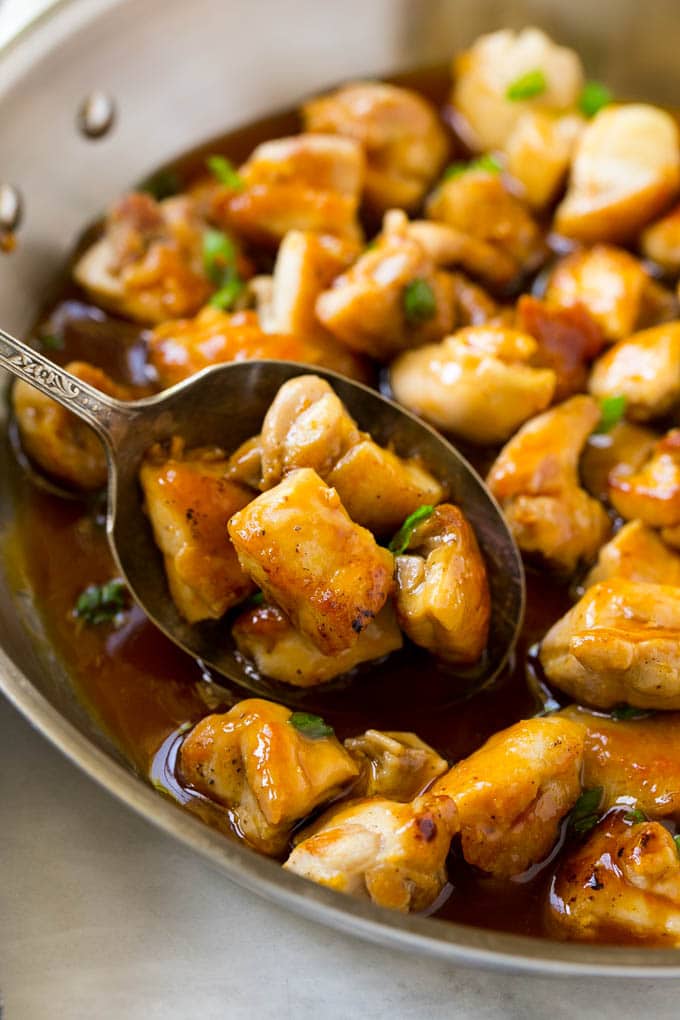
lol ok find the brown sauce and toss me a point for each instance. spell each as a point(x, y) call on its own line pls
point(142, 689)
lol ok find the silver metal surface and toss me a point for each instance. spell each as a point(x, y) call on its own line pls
point(215, 64)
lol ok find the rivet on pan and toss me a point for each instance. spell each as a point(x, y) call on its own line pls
point(96, 115)
point(11, 209)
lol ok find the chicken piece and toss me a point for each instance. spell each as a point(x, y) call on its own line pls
point(478, 384)
point(60, 443)
point(265, 636)
point(189, 501)
point(478, 205)
point(304, 182)
point(443, 602)
point(538, 153)
point(485, 72)
point(625, 445)
point(473, 306)
point(619, 643)
point(398, 766)
point(652, 492)
point(660, 242)
point(636, 763)
point(399, 131)
point(622, 883)
point(626, 170)
point(375, 849)
point(608, 282)
point(327, 573)
point(148, 264)
point(637, 553)
point(392, 298)
point(245, 463)
point(535, 478)
point(645, 369)
point(568, 339)
point(267, 773)
point(513, 792)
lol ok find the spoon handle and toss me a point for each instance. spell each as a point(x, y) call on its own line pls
point(105, 414)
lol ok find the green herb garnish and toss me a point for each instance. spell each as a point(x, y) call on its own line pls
point(487, 163)
point(623, 713)
point(223, 169)
point(51, 342)
point(400, 542)
point(593, 98)
point(612, 410)
point(419, 302)
point(102, 603)
point(676, 840)
point(162, 185)
point(527, 86)
point(219, 262)
point(585, 812)
point(311, 726)
point(635, 816)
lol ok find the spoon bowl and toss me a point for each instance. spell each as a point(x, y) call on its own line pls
point(222, 406)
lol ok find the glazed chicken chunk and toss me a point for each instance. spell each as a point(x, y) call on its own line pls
point(443, 602)
point(567, 341)
point(400, 134)
point(59, 442)
point(266, 772)
point(651, 491)
point(398, 766)
point(513, 792)
point(645, 369)
point(637, 553)
point(265, 637)
point(478, 383)
point(485, 73)
point(536, 481)
point(625, 447)
point(538, 153)
point(660, 242)
point(626, 170)
point(619, 643)
point(636, 763)
point(148, 264)
point(189, 501)
point(300, 547)
point(375, 849)
point(624, 881)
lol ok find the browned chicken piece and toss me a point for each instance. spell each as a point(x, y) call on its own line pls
point(645, 369)
point(478, 205)
point(398, 766)
point(148, 264)
point(391, 299)
point(304, 182)
point(443, 602)
point(189, 501)
point(484, 73)
point(637, 553)
point(448, 246)
point(608, 282)
point(265, 771)
point(59, 442)
point(650, 492)
point(399, 131)
point(538, 153)
point(625, 171)
point(619, 643)
point(478, 384)
point(622, 883)
point(473, 306)
point(245, 463)
point(636, 763)
point(265, 636)
point(300, 547)
point(536, 480)
point(624, 446)
point(514, 791)
point(660, 242)
point(568, 339)
point(375, 849)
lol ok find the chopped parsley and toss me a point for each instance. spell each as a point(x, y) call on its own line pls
point(624, 713)
point(594, 97)
point(635, 817)
point(487, 163)
point(223, 169)
point(51, 342)
point(676, 840)
point(585, 813)
point(419, 302)
point(311, 726)
point(612, 410)
point(527, 86)
point(162, 185)
point(219, 262)
point(400, 542)
point(102, 603)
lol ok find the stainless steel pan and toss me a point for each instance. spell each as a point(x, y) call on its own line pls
point(178, 73)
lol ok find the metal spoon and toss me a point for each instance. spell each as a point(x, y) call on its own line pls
point(224, 405)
